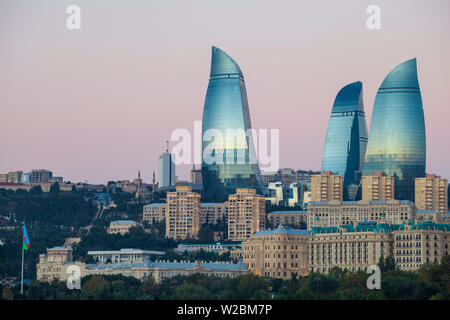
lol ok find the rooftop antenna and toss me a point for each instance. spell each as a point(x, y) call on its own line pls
point(167, 146)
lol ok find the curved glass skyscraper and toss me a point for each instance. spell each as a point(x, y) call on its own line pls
point(228, 162)
point(397, 145)
point(346, 140)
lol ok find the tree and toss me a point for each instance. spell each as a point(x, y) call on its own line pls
point(95, 288)
point(206, 233)
point(150, 288)
point(387, 264)
point(7, 293)
point(54, 188)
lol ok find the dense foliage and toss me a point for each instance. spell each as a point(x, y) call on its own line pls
point(430, 282)
point(99, 239)
point(62, 208)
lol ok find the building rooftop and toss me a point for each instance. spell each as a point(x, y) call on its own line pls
point(281, 229)
point(287, 212)
point(126, 251)
point(154, 204)
point(173, 265)
point(123, 222)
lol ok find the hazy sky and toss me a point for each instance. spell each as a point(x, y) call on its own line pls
point(98, 103)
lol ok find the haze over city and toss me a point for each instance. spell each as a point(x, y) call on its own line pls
point(98, 104)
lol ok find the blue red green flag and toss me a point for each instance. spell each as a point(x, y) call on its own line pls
point(26, 240)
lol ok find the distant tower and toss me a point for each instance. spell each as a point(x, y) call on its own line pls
point(138, 192)
point(166, 169)
point(154, 184)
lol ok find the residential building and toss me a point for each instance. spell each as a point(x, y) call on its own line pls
point(183, 213)
point(326, 187)
point(246, 214)
point(154, 212)
point(431, 193)
point(377, 187)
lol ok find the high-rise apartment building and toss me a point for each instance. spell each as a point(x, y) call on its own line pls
point(326, 187)
point(183, 213)
point(246, 214)
point(397, 144)
point(377, 187)
point(228, 162)
point(431, 193)
point(346, 139)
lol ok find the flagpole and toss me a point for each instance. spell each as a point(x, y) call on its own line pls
point(21, 282)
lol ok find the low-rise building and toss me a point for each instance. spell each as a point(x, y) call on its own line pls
point(279, 253)
point(160, 270)
point(218, 247)
point(154, 212)
point(54, 265)
point(123, 255)
point(419, 243)
point(337, 213)
point(349, 247)
point(121, 226)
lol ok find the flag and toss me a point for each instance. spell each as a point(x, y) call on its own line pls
point(26, 240)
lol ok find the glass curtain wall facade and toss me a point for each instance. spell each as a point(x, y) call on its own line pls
point(397, 142)
point(346, 139)
point(226, 112)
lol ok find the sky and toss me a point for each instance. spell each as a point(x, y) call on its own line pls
point(97, 104)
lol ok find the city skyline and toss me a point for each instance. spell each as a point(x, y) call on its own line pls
point(108, 107)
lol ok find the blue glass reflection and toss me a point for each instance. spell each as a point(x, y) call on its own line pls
point(397, 143)
point(226, 107)
point(346, 139)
